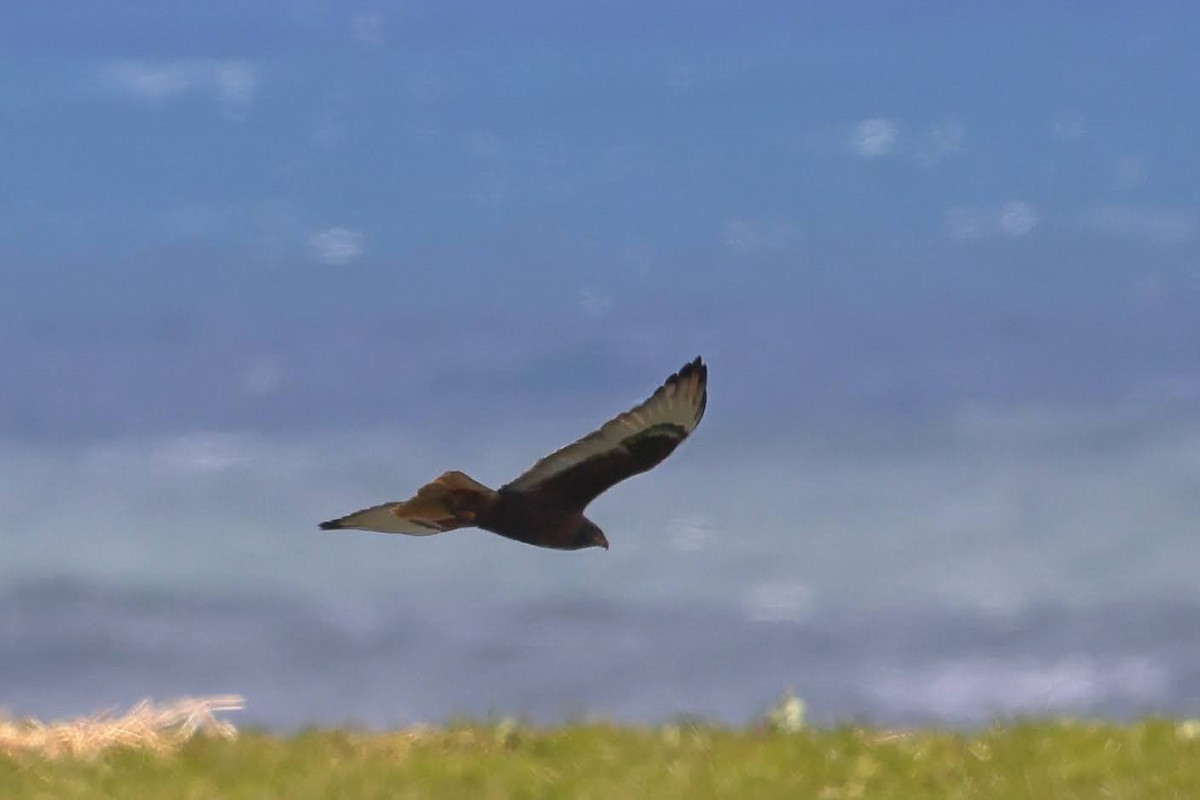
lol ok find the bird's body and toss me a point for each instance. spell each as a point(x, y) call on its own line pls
point(544, 506)
point(533, 518)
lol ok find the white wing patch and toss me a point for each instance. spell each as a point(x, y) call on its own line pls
point(384, 519)
point(679, 402)
point(453, 500)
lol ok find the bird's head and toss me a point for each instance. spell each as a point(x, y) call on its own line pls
point(588, 534)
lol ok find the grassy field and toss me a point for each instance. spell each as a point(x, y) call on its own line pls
point(1152, 759)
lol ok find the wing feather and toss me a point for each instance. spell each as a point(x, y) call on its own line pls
point(453, 500)
point(628, 444)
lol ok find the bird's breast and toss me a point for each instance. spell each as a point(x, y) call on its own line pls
point(530, 518)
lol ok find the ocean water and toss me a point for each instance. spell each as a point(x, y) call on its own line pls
point(73, 647)
point(988, 562)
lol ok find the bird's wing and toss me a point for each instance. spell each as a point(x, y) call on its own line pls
point(453, 500)
point(626, 445)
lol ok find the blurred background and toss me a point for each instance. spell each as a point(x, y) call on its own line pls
point(268, 263)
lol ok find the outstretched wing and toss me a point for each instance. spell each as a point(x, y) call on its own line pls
point(628, 444)
point(453, 500)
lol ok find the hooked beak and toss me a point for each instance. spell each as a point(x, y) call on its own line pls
point(602, 541)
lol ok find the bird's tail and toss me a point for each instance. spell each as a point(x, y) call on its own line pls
point(453, 500)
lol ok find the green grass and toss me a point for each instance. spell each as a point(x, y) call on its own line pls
point(1044, 760)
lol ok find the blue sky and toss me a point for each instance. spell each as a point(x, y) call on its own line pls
point(265, 263)
point(329, 215)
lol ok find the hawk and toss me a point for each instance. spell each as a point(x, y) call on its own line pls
point(544, 506)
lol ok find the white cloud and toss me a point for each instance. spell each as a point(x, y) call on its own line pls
point(367, 28)
point(1015, 219)
point(872, 138)
point(1151, 225)
point(746, 236)
point(943, 138)
point(484, 145)
point(640, 257)
point(779, 602)
point(947, 134)
point(232, 82)
point(337, 245)
point(739, 236)
point(235, 82)
point(923, 143)
point(690, 533)
point(1130, 172)
point(595, 304)
point(203, 452)
point(263, 376)
point(1067, 126)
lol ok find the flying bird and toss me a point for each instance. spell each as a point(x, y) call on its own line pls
point(544, 506)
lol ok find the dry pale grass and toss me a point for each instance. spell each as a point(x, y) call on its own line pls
point(158, 728)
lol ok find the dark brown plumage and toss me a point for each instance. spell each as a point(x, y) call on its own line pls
point(544, 506)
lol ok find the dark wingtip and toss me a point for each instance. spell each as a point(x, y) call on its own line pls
point(331, 525)
point(695, 365)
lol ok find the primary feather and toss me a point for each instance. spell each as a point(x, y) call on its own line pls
point(628, 444)
point(453, 500)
